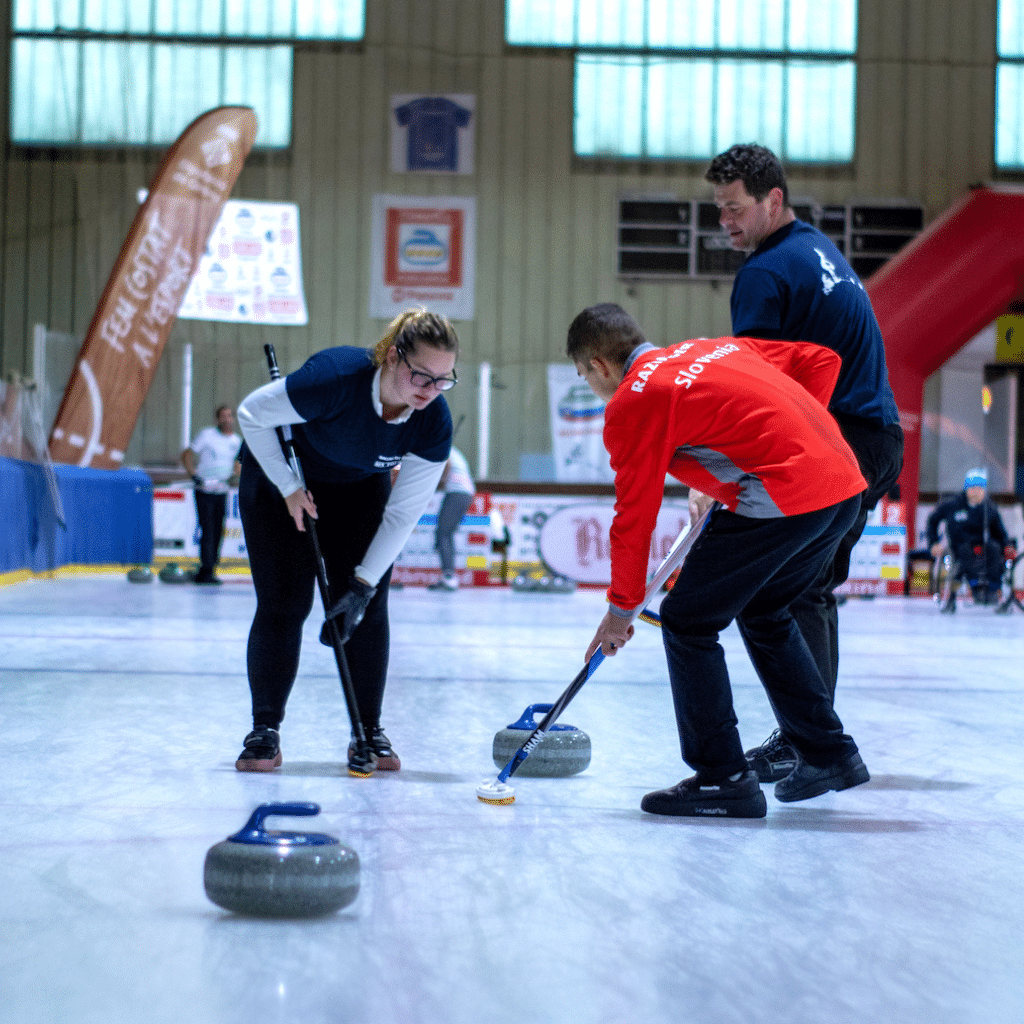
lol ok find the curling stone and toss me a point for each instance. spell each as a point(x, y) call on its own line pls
point(173, 573)
point(561, 585)
point(140, 574)
point(564, 750)
point(543, 584)
point(264, 873)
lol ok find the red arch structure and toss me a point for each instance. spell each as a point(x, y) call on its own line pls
point(938, 292)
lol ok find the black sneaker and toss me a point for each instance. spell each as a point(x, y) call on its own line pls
point(262, 751)
point(387, 759)
point(773, 760)
point(806, 781)
point(693, 799)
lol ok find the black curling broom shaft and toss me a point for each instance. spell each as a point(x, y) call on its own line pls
point(347, 687)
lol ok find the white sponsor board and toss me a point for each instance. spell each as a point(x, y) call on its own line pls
point(574, 540)
point(577, 427)
point(251, 271)
point(176, 530)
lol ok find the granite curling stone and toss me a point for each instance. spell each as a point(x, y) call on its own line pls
point(173, 573)
point(564, 750)
point(265, 873)
point(543, 584)
point(140, 574)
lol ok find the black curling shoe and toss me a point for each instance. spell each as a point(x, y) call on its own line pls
point(387, 759)
point(261, 751)
point(692, 798)
point(805, 781)
point(773, 760)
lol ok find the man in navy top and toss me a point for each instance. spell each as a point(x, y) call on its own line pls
point(797, 286)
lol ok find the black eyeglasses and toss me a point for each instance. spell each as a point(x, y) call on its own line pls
point(424, 380)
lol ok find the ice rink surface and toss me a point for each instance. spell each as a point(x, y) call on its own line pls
point(124, 706)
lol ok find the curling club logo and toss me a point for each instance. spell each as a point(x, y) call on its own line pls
point(580, 404)
point(424, 249)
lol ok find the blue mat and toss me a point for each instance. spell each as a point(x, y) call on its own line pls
point(109, 516)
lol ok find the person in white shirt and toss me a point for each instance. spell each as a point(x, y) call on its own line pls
point(211, 460)
point(459, 491)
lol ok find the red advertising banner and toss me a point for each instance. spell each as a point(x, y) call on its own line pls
point(140, 303)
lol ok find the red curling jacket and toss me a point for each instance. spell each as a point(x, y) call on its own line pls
point(741, 419)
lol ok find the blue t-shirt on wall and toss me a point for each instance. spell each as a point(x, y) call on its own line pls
point(797, 286)
point(343, 438)
point(433, 123)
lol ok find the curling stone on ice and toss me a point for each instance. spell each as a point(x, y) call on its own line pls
point(564, 750)
point(140, 574)
point(543, 584)
point(173, 573)
point(265, 873)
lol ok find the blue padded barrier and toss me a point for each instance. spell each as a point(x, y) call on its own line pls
point(109, 517)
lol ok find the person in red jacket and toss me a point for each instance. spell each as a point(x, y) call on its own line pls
point(743, 420)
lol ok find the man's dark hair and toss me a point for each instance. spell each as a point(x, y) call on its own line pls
point(757, 167)
point(220, 409)
point(604, 330)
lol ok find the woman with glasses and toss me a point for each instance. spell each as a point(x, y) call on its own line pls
point(355, 415)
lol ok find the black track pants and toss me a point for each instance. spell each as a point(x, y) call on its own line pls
point(751, 570)
point(879, 452)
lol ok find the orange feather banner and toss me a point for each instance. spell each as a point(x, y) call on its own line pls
point(138, 308)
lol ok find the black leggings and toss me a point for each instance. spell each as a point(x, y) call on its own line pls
point(284, 574)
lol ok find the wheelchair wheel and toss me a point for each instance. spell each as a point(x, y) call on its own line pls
point(1007, 595)
point(944, 583)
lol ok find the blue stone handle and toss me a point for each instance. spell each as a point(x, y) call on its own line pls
point(526, 719)
point(253, 831)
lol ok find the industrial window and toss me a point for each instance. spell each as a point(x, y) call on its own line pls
point(1009, 140)
point(134, 72)
point(685, 79)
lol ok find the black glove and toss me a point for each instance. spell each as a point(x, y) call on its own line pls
point(348, 611)
point(198, 481)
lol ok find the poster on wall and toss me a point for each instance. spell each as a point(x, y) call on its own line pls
point(251, 271)
point(423, 254)
point(432, 134)
point(577, 424)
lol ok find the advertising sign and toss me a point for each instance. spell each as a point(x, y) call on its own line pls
point(574, 540)
point(423, 254)
point(577, 424)
point(251, 270)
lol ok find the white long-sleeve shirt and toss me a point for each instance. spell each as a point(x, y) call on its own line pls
point(270, 407)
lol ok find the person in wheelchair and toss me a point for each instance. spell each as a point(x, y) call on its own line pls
point(975, 536)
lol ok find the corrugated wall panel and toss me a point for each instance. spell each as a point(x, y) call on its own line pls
point(546, 224)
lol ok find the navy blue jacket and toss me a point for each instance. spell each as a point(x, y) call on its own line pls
point(796, 286)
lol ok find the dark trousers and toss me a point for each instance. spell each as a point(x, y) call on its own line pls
point(751, 570)
point(985, 567)
point(284, 576)
point(879, 452)
point(210, 512)
point(453, 507)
